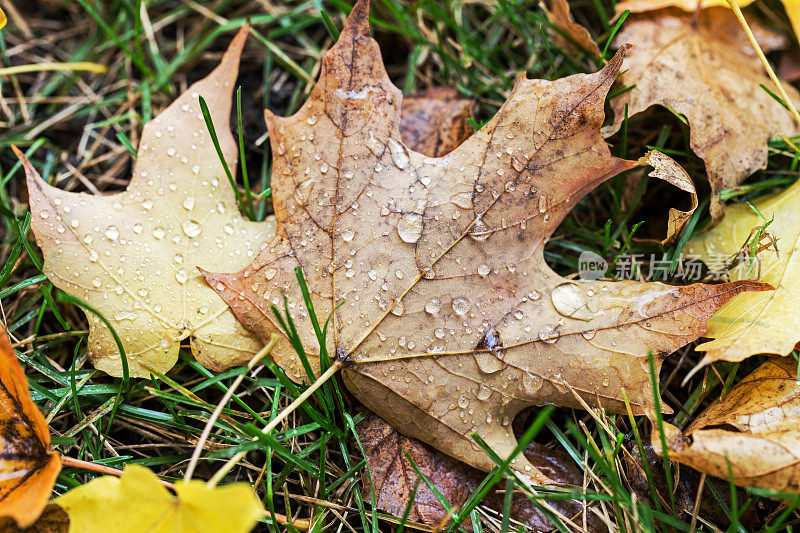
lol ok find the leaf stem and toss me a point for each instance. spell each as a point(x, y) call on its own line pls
point(198, 449)
point(101, 469)
point(234, 460)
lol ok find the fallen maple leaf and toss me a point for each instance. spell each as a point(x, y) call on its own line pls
point(569, 35)
point(434, 122)
point(28, 467)
point(444, 314)
point(755, 323)
point(393, 478)
point(137, 501)
point(792, 8)
point(753, 433)
point(707, 71)
point(133, 255)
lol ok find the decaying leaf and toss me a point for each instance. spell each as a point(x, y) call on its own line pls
point(708, 72)
point(569, 35)
point(792, 8)
point(28, 467)
point(52, 520)
point(434, 121)
point(676, 218)
point(755, 323)
point(752, 433)
point(690, 6)
point(393, 478)
point(443, 309)
point(137, 502)
point(133, 255)
point(686, 486)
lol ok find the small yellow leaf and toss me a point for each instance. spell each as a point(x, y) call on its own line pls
point(758, 322)
point(134, 255)
point(792, 8)
point(3, 18)
point(137, 502)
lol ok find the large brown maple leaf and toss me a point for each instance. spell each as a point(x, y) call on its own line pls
point(444, 311)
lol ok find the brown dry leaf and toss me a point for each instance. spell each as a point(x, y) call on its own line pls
point(792, 8)
point(789, 66)
point(569, 34)
point(52, 520)
point(434, 122)
point(709, 73)
point(753, 430)
point(133, 255)
point(690, 6)
point(676, 218)
point(28, 467)
point(444, 311)
point(393, 478)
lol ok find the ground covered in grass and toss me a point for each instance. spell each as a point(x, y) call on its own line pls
point(79, 128)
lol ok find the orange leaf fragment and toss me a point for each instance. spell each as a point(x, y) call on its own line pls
point(28, 467)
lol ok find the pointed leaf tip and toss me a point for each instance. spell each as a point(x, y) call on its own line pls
point(357, 24)
point(234, 50)
point(32, 178)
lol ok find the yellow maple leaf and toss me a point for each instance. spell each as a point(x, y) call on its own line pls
point(759, 322)
point(133, 255)
point(137, 502)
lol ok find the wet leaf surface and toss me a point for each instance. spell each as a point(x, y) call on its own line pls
point(709, 73)
point(442, 306)
point(133, 255)
point(28, 467)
